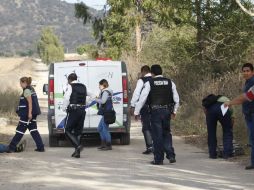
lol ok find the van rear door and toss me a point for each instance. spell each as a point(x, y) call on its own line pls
point(112, 72)
point(61, 72)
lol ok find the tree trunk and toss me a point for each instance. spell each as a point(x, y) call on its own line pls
point(200, 45)
point(138, 39)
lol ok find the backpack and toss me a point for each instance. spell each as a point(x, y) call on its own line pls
point(210, 100)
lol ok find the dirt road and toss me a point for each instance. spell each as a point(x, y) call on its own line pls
point(122, 168)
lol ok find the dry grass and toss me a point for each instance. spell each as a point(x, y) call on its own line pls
point(133, 67)
point(74, 56)
point(8, 101)
point(11, 70)
point(191, 119)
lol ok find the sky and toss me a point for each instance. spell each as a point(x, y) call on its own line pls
point(96, 4)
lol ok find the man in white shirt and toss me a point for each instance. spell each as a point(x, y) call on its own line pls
point(163, 102)
point(145, 111)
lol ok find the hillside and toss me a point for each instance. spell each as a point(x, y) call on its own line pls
point(22, 20)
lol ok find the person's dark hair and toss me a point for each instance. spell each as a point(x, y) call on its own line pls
point(27, 80)
point(156, 70)
point(145, 69)
point(104, 83)
point(249, 65)
point(72, 77)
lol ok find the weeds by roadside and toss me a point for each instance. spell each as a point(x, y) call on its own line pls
point(8, 104)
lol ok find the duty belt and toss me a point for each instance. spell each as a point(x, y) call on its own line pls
point(75, 106)
point(154, 107)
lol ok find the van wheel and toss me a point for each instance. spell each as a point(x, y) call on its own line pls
point(53, 141)
point(125, 139)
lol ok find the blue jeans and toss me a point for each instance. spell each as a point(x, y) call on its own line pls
point(214, 115)
point(103, 129)
point(161, 134)
point(250, 124)
point(3, 148)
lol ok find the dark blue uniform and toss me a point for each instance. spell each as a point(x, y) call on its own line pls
point(24, 124)
point(248, 111)
point(161, 102)
point(213, 115)
point(76, 114)
point(146, 120)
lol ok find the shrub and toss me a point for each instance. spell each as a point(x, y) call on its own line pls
point(8, 102)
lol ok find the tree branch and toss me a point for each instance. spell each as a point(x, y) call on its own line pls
point(244, 9)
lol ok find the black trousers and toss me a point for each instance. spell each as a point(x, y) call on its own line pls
point(214, 115)
point(146, 126)
point(161, 134)
point(74, 125)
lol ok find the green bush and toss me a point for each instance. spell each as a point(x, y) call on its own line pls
point(91, 50)
point(8, 102)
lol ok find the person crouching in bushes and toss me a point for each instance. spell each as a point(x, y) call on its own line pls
point(28, 110)
point(104, 103)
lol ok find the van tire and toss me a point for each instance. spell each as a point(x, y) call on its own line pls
point(53, 141)
point(125, 139)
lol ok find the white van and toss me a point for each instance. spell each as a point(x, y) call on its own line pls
point(89, 73)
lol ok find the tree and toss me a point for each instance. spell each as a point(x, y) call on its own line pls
point(251, 13)
point(90, 49)
point(49, 47)
point(224, 31)
point(114, 30)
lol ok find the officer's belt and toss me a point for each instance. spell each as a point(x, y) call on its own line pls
point(76, 106)
point(154, 107)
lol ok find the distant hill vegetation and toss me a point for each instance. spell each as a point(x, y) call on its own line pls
point(22, 20)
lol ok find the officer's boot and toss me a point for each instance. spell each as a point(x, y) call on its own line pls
point(79, 148)
point(103, 145)
point(76, 153)
point(74, 140)
point(148, 141)
point(108, 146)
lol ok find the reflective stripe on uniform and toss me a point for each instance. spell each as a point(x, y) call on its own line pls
point(33, 130)
point(20, 132)
point(22, 106)
point(26, 122)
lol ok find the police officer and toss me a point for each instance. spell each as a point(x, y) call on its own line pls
point(145, 111)
point(163, 102)
point(28, 110)
point(214, 114)
point(74, 103)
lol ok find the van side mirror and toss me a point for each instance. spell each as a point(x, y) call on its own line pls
point(45, 89)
